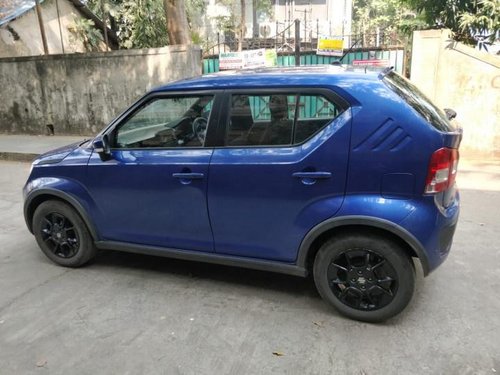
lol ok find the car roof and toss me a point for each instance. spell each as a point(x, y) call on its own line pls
point(305, 76)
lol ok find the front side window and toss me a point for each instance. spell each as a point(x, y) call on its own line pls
point(279, 119)
point(167, 122)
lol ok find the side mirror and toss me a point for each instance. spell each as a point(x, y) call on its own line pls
point(101, 146)
point(450, 113)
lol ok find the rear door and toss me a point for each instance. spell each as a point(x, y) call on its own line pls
point(280, 170)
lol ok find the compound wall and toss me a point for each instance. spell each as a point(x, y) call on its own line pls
point(467, 80)
point(78, 94)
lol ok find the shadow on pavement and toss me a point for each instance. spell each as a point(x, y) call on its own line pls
point(209, 272)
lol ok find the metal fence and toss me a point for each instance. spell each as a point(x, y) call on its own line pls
point(282, 37)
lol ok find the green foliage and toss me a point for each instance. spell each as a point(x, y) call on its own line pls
point(85, 31)
point(226, 23)
point(465, 18)
point(387, 15)
point(196, 38)
point(194, 10)
point(485, 21)
point(230, 23)
point(138, 23)
point(142, 23)
point(264, 9)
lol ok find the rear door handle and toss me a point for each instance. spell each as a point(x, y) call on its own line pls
point(312, 175)
point(188, 176)
point(310, 178)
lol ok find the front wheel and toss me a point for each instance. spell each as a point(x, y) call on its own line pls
point(365, 277)
point(62, 235)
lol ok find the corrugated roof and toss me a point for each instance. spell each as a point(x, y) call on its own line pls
point(11, 9)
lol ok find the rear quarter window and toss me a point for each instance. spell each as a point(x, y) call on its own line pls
point(434, 115)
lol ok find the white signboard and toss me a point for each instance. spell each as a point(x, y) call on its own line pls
point(254, 58)
point(245, 59)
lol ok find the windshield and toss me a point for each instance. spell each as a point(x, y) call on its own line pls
point(415, 98)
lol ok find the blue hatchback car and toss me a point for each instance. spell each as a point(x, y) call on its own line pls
point(342, 173)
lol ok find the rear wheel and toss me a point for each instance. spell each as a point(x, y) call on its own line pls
point(365, 277)
point(62, 235)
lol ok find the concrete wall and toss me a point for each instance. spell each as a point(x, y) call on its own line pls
point(459, 77)
point(21, 37)
point(79, 94)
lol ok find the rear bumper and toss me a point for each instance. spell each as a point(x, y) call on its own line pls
point(434, 227)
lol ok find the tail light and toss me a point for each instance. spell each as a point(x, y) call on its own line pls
point(442, 170)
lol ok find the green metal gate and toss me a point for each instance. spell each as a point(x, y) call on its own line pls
point(395, 56)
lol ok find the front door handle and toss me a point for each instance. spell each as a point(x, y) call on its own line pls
point(309, 178)
point(188, 176)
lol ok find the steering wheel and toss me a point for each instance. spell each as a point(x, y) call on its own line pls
point(200, 128)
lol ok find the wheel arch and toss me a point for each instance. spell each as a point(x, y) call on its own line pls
point(365, 224)
point(36, 198)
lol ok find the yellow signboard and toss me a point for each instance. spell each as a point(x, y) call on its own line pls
point(330, 47)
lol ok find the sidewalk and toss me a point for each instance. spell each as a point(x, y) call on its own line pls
point(27, 147)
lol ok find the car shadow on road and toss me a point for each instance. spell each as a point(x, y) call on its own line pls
point(270, 281)
point(296, 290)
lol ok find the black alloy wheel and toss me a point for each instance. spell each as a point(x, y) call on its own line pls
point(60, 235)
point(365, 276)
point(363, 279)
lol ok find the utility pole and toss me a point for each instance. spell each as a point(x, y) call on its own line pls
point(297, 42)
point(42, 29)
point(305, 23)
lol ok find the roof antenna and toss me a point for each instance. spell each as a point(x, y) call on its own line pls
point(339, 61)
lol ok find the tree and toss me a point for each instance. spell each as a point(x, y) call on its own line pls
point(389, 17)
point(241, 28)
point(485, 22)
point(138, 23)
point(148, 23)
point(86, 32)
point(234, 23)
point(177, 25)
point(464, 17)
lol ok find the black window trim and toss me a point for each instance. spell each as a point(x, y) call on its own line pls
point(328, 93)
point(214, 117)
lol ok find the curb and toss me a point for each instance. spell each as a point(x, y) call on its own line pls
point(17, 156)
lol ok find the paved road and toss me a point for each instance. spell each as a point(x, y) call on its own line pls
point(131, 314)
point(35, 144)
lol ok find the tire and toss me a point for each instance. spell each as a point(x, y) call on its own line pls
point(62, 235)
point(365, 277)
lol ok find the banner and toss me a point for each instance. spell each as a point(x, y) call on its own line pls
point(247, 59)
point(271, 57)
point(254, 58)
point(230, 60)
point(373, 62)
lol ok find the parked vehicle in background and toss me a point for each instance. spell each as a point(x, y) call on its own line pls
point(342, 173)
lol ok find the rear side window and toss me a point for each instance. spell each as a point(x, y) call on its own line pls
point(314, 113)
point(279, 119)
point(415, 98)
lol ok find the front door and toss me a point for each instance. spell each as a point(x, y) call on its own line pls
point(153, 189)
